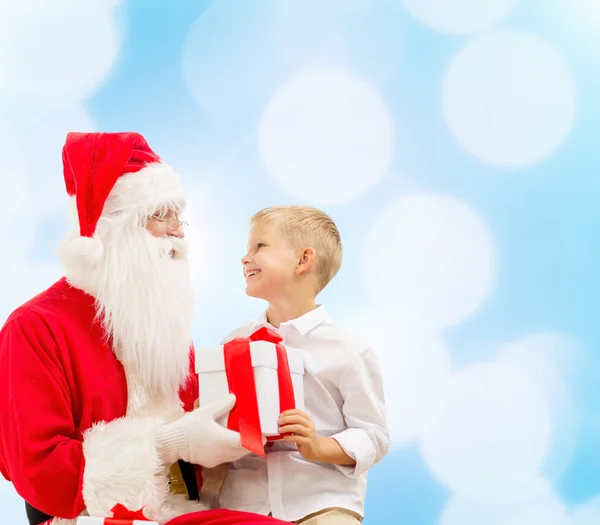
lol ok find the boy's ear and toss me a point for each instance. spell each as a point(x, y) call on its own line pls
point(306, 260)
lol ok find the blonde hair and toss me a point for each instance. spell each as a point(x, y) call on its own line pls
point(306, 227)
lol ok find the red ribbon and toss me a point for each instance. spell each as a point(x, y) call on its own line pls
point(123, 516)
point(240, 376)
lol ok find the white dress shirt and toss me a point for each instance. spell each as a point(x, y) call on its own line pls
point(343, 393)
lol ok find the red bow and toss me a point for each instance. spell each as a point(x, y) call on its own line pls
point(240, 376)
point(123, 513)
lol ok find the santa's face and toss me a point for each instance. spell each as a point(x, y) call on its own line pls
point(163, 223)
point(143, 294)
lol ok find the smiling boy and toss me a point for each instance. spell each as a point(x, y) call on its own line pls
point(318, 474)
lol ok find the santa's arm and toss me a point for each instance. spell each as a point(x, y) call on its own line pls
point(143, 451)
point(52, 468)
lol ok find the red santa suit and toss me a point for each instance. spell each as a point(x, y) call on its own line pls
point(77, 425)
point(58, 377)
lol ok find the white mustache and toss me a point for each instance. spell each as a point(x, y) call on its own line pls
point(173, 247)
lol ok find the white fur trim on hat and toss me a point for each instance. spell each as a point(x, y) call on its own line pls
point(144, 191)
point(78, 254)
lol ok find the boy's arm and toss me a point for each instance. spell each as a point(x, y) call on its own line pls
point(330, 451)
point(366, 440)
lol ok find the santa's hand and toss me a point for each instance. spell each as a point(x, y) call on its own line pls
point(198, 439)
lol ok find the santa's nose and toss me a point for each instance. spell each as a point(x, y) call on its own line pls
point(178, 232)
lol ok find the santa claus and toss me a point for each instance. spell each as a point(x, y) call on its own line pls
point(97, 388)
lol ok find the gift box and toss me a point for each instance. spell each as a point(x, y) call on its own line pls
point(266, 378)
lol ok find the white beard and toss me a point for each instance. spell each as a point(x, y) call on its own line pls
point(144, 298)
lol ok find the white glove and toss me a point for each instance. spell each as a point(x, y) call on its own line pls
point(198, 439)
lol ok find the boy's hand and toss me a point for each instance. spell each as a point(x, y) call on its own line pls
point(302, 429)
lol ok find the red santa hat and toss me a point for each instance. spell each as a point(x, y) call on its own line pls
point(111, 173)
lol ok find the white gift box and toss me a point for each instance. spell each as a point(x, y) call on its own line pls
point(210, 367)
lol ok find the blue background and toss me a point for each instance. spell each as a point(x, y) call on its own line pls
point(198, 78)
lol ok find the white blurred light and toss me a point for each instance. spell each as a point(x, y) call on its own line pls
point(213, 243)
point(16, 283)
point(459, 16)
point(252, 47)
point(546, 512)
point(546, 508)
point(588, 513)
point(16, 187)
point(362, 36)
point(415, 365)
point(432, 257)
point(42, 131)
point(217, 239)
point(56, 51)
point(222, 70)
point(550, 356)
point(13, 507)
point(460, 510)
point(492, 437)
point(307, 35)
point(338, 6)
point(463, 511)
point(17, 215)
point(588, 11)
point(326, 137)
point(21, 279)
point(508, 98)
point(44, 275)
point(547, 358)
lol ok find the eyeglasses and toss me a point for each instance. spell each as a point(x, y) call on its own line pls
point(172, 222)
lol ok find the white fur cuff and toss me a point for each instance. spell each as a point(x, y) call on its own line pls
point(122, 466)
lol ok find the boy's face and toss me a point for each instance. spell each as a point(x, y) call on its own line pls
point(269, 264)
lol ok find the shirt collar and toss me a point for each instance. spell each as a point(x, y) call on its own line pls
point(304, 324)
